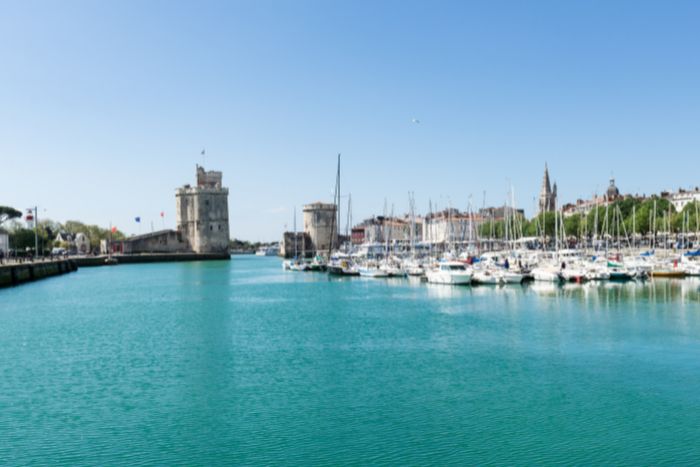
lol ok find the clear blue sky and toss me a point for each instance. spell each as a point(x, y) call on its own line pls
point(105, 106)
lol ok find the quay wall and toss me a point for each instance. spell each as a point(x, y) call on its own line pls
point(150, 258)
point(15, 274)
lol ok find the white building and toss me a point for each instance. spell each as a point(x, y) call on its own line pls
point(682, 198)
point(4, 242)
point(450, 226)
point(82, 243)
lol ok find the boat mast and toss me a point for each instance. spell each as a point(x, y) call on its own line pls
point(336, 219)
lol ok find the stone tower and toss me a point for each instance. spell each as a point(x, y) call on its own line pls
point(202, 213)
point(320, 223)
point(548, 194)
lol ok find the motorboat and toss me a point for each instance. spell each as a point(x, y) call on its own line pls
point(547, 274)
point(486, 276)
point(449, 272)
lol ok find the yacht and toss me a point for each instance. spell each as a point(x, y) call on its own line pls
point(371, 269)
point(342, 265)
point(269, 250)
point(547, 274)
point(486, 276)
point(450, 272)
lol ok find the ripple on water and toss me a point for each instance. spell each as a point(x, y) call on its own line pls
point(241, 363)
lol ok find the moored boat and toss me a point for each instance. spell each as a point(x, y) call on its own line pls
point(449, 272)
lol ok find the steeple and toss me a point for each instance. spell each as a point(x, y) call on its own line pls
point(548, 194)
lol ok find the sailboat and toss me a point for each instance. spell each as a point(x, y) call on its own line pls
point(339, 264)
point(295, 264)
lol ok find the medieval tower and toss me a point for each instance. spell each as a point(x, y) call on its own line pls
point(202, 213)
point(548, 194)
point(320, 223)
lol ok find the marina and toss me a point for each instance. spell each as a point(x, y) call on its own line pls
point(344, 233)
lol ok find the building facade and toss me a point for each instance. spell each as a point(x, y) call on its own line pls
point(202, 213)
point(296, 245)
point(4, 242)
point(682, 198)
point(451, 226)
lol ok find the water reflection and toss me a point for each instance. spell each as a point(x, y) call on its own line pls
point(444, 291)
point(661, 291)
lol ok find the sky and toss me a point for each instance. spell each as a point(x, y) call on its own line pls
point(105, 107)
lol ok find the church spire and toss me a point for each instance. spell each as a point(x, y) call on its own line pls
point(547, 195)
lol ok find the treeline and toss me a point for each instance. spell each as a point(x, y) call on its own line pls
point(244, 245)
point(621, 217)
point(22, 238)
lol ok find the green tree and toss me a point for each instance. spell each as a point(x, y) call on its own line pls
point(572, 225)
point(22, 239)
point(688, 219)
point(7, 213)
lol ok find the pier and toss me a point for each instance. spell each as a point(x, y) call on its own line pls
point(19, 273)
point(104, 260)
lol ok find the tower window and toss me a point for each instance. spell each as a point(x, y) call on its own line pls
point(211, 227)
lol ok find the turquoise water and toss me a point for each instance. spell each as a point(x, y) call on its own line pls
point(241, 363)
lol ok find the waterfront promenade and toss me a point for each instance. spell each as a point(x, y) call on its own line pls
point(16, 272)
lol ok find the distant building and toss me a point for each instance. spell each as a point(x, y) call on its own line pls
point(161, 241)
point(548, 194)
point(202, 213)
point(82, 244)
point(612, 193)
point(320, 224)
point(451, 225)
point(682, 197)
point(202, 222)
point(64, 237)
point(4, 242)
point(296, 244)
point(378, 229)
point(583, 207)
point(499, 214)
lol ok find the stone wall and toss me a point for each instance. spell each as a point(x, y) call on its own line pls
point(303, 247)
point(16, 274)
point(164, 241)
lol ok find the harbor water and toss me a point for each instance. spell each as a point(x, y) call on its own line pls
point(239, 362)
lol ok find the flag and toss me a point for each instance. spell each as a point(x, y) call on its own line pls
point(137, 219)
point(162, 214)
point(114, 230)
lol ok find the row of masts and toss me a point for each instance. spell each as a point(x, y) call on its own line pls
point(613, 232)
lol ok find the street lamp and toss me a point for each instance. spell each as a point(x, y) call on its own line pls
point(35, 218)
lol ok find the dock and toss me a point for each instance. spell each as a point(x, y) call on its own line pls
point(20, 273)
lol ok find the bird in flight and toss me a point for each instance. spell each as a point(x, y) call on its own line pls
point(415, 120)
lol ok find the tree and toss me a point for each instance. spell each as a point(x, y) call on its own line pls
point(688, 219)
point(21, 239)
point(572, 225)
point(534, 227)
point(7, 213)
